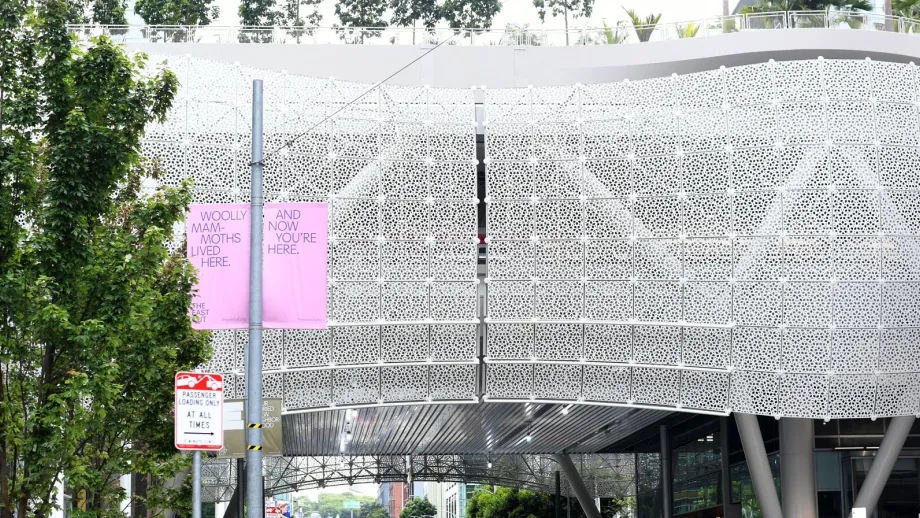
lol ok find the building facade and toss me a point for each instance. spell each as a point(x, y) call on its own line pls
point(675, 233)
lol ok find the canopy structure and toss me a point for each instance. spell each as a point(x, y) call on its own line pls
point(610, 475)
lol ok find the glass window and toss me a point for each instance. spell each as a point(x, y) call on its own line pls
point(648, 470)
point(827, 466)
point(742, 490)
point(697, 467)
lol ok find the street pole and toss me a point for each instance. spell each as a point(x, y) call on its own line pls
point(196, 484)
point(254, 500)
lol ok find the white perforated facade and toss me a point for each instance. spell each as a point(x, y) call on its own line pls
point(740, 239)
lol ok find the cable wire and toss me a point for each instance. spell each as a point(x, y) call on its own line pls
point(353, 101)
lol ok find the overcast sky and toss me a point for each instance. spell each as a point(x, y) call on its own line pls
point(523, 11)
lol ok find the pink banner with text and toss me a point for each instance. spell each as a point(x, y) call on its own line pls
point(294, 265)
point(218, 246)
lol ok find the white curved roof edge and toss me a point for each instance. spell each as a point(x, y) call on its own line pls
point(508, 67)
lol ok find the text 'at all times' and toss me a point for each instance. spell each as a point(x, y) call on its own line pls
point(200, 419)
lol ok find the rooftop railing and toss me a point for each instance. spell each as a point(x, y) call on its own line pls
point(512, 35)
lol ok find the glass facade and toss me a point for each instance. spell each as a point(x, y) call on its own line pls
point(844, 451)
point(648, 478)
point(696, 469)
point(742, 490)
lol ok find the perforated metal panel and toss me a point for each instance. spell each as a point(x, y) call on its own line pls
point(742, 239)
point(398, 171)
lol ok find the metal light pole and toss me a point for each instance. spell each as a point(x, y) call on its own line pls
point(254, 359)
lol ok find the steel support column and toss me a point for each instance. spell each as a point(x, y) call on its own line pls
point(665, 445)
point(557, 503)
point(577, 484)
point(797, 467)
point(758, 465)
point(883, 463)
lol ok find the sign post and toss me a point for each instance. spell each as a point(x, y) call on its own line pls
point(254, 499)
point(199, 421)
point(351, 505)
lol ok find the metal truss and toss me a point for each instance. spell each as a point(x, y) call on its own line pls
point(607, 475)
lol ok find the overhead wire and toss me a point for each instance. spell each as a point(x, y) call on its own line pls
point(353, 101)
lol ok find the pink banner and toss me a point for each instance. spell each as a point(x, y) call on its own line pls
point(294, 265)
point(218, 246)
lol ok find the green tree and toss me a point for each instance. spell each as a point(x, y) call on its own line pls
point(292, 15)
point(372, 510)
point(408, 13)
point(176, 12)
point(508, 502)
point(470, 14)
point(105, 12)
point(334, 503)
point(257, 13)
point(361, 14)
point(644, 27)
point(109, 12)
point(565, 8)
point(418, 508)
point(93, 304)
point(906, 8)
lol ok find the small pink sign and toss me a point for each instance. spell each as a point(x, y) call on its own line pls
point(294, 265)
point(218, 246)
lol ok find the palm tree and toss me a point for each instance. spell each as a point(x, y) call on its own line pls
point(842, 7)
point(906, 8)
point(644, 28)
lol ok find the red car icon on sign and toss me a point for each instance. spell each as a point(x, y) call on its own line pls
point(189, 380)
point(214, 384)
point(186, 381)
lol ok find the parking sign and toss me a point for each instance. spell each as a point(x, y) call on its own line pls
point(199, 411)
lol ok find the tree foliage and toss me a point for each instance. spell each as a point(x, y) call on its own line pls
point(93, 304)
point(332, 504)
point(372, 510)
point(907, 8)
point(564, 8)
point(506, 502)
point(105, 12)
point(765, 6)
point(361, 13)
point(407, 13)
point(258, 12)
point(418, 508)
point(473, 14)
point(176, 12)
point(509, 502)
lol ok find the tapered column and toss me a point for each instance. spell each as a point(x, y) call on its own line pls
point(883, 463)
point(758, 465)
point(577, 484)
point(797, 467)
